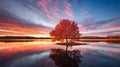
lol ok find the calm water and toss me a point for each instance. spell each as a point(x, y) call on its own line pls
point(44, 53)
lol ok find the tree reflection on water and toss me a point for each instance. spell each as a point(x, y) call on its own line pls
point(63, 58)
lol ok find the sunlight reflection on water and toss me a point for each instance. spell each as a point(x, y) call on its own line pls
point(36, 54)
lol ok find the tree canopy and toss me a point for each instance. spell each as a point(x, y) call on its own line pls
point(66, 29)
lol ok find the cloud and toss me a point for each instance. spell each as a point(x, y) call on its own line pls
point(9, 26)
point(55, 10)
point(85, 16)
point(105, 27)
point(40, 16)
point(20, 11)
point(93, 25)
point(43, 12)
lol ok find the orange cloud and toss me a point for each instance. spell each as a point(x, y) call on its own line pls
point(13, 27)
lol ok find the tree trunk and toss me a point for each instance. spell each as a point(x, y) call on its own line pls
point(66, 40)
point(66, 44)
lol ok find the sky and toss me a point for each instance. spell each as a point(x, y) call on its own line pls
point(39, 17)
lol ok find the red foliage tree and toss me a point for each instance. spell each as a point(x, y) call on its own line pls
point(65, 30)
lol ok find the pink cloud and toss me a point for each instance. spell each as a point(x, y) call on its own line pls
point(14, 27)
point(43, 4)
point(52, 10)
point(103, 32)
point(105, 27)
point(68, 10)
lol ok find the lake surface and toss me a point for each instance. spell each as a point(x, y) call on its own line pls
point(44, 53)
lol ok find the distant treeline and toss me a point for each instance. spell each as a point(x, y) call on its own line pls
point(91, 37)
point(82, 37)
point(97, 37)
point(113, 37)
point(23, 37)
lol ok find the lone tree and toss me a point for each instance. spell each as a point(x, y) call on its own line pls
point(66, 31)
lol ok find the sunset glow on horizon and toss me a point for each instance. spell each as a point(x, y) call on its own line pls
point(38, 17)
